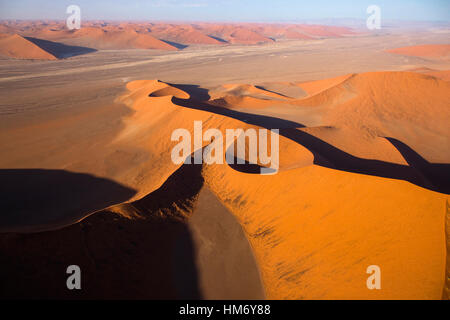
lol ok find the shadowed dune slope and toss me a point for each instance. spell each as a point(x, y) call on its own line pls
point(45, 199)
point(60, 50)
point(410, 107)
point(178, 242)
point(15, 46)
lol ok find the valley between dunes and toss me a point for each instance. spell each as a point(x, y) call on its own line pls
point(363, 180)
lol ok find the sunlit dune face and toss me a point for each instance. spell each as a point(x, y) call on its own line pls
point(437, 51)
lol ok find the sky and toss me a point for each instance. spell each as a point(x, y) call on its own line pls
point(226, 10)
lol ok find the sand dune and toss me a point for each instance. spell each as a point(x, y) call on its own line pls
point(100, 39)
point(309, 241)
point(367, 184)
point(434, 51)
point(315, 87)
point(150, 248)
point(301, 263)
point(166, 36)
point(254, 33)
point(18, 47)
point(243, 36)
point(440, 74)
point(183, 35)
point(324, 31)
point(293, 34)
point(390, 104)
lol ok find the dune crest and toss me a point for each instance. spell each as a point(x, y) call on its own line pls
point(119, 39)
point(16, 46)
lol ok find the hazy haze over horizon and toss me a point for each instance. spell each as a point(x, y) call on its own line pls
point(227, 10)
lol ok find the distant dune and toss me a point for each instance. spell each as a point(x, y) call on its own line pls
point(166, 36)
point(120, 39)
point(182, 34)
point(436, 51)
point(366, 183)
point(243, 36)
point(16, 46)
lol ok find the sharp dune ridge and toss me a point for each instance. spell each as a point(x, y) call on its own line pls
point(314, 226)
point(419, 171)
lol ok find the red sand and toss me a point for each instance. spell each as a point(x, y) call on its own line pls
point(425, 51)
point(166, 36)
point(18, 47)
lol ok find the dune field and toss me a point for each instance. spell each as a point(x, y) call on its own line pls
point(87, 176)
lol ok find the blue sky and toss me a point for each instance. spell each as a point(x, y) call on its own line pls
point(226, 10)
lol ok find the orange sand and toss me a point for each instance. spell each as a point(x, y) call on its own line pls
point(317, 225)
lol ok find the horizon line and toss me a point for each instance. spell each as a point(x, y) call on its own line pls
point(223, 21)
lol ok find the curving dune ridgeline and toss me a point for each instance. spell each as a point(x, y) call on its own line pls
point(363, 180)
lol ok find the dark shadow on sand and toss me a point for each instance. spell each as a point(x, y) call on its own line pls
point(60, 50)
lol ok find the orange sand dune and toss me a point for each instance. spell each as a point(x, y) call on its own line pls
point(287, 89)
point(183, 35)
point(274, 31)
point(244, 36)
point(100, 39)
point(244, 96)
point(160, 247)
point(364, 187)
point(7, 29)
point(314, 87)
point(237, 34)
point(103, 34)
point(391, 104)
point(18, 47)
point(308, 248)
point(440, 74)
point(424, 51)
point(315, 231)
